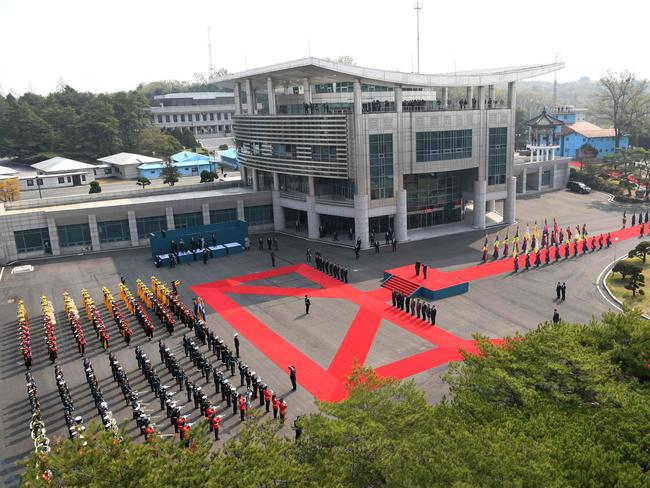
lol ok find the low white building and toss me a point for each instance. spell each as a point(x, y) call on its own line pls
point(58, 172)
point(124, 165)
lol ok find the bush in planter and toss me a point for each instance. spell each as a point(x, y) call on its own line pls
point(95, 187)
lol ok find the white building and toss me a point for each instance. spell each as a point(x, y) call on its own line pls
point(125, 165)
point(58, 172)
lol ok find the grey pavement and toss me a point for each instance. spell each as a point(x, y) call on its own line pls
point(495, 306)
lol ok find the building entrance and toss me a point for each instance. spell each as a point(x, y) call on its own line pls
point(291, 216)
point(333, 223)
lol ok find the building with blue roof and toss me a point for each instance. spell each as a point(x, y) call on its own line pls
point(188, 164)
point(229, 158)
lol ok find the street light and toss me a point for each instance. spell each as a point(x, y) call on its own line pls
point(615, 242)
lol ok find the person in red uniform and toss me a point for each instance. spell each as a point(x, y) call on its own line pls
point(283, 410)
point(209, 413)
point(242, 407)
point(185, 433)
point(215, 423)
point(179, 421)
point(268, 394)
point(276, 406)
point(148, 432)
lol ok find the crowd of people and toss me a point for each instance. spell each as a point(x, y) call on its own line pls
point(75, 424)
point(114, 311)
point(329, 267)
point(72, 315)
point(95, 318)
point(136, 310)
point(416, 307)
point(156, 306)
point(24, 334)
point(108, 421)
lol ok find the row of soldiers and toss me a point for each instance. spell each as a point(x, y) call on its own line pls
point(75, 425)
point(72, 314)
point(132, 398)
point(115, 312)
point(583, 245)
point(137, 310)
point(93, 315)
point(102, 407)
point(49, 321)
point(152, 303)
point(331, 268)
point(642, 219)
point(416, 307)
point(24, 334)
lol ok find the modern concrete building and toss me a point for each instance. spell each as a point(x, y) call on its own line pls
point(343, 146)
point(201, 113)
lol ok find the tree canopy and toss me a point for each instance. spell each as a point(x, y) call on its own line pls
point(564, 405)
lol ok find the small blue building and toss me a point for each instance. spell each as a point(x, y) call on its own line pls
point(229, 158)
point(575, 132)
point(188, 164)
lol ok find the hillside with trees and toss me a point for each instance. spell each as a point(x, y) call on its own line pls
point(563, 405)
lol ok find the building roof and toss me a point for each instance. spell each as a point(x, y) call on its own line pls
point(230, 153)
point(185, 156)
point(544, 120)
point(128, 159)
point(324, 71)
point(195, 95)
point(587, 129)
point(61, 165)
point(183, 164)
point(4, 171)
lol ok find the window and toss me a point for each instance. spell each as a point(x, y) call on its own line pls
point(220, 128)
point(323, 153)
point(74, 235)
point(261, 214)
point(193, 219)
point(69, 179)
point(114, 231)
point(182, 117)
point(108, 171)
point(546, 178)
point(224, 215)
point(83, 177)
point(205, 117)
point(167, 119)
point(197, 117)
point(443, 145)
point(30, 182)
point(218, 115)
point(61, 180)
point(160, 119)
point(497, 155)
point(147, 225)
point(433, 199)
point(211, 116)
point(31, 240)
point(39, 181)
point(175, 118)
point(381, 166)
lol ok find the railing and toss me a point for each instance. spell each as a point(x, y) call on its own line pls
point(301, 197)
point(334, 201)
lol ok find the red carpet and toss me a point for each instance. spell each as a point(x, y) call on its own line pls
point(328, 385)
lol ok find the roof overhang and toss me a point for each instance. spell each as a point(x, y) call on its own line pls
point(324, 71)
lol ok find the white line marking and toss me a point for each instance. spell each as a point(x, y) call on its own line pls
point(2, 272)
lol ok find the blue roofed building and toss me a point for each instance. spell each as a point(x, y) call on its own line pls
point(229, 158)
point(188, 164)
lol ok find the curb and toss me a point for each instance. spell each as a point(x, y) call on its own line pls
point(602, 277)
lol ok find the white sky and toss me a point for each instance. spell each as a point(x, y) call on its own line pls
point(114, 45)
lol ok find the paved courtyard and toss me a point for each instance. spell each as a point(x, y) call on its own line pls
point(496, 306)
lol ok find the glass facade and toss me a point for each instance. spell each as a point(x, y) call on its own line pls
point(443, 145)
point(261, 214)
point(264, 180)
point(223, 215)
point(193, 219)
point(294, 183)
point(433, 199)
point(114, 231)
point(381, 165)
point(33, 240)
point(336, 189)
point(148, 225)
point(497, 155)
point(74, 235)
point(323, 153)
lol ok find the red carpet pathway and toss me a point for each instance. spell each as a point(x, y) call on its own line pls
point(328, 385)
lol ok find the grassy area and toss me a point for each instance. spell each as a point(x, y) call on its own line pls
point(617, 287)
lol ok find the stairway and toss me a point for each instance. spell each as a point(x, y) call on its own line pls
point(405, 287)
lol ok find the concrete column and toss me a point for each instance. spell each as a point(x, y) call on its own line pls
point(276, 181)
point(169, 212)
point(481, 97)
point(133, 228)
point(313, 219)
point(539, 178)
point(278, 212)
point(244, 175)
point(250, 103)
point(512, 95)
point(510, 204)
point(401, 233)
point(469, 94)
point(205, 208)
point(480, 189)
point(445, 96)
point(490, 206)
point(270, 90)
point(523, 181)
point(358, 106)
point(54, 236)
point(306, 88)
point(241, 215)
point(361, 228)
point(254, 171)
point(397, 90)
point(237, 98)
point(94, 232)
point(312, 186)
point(491, 92)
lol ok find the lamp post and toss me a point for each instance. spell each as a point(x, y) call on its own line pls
point(38, 185)
point(615, 242)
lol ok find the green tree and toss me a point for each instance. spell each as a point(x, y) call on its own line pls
point(143, 182)
point(154, 142)
point(625, 267)
point(95, 187)
point(170, 173)
point(24, 132)
point(98, 129)
point(223, 147)
point(187, 139)
point(130, 112)
point(207, 176)
point(640, 251)
point(636, 282)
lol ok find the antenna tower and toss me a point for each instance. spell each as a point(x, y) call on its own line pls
point(417, 9)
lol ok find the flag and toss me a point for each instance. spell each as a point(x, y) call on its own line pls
point(545, 231)
point(485, 244)
point(536, 231)
point(555, 226)
point(527, 234)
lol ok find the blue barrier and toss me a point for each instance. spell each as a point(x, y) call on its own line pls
point(225, 233)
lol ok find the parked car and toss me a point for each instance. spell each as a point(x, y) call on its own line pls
point(578, 187)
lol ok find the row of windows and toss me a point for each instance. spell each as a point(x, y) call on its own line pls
point(348, 87)
point(443, 145)
point(197, 117)
point(381, 166)
point(261, 214)
point(74, 235)
point(497, 155)
point(33, 240)
point(114, 231)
